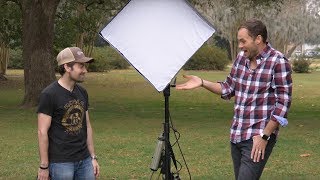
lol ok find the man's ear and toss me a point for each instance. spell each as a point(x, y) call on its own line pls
point(258, 40)
point(67, 68)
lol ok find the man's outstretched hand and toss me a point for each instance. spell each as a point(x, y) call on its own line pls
point(193, 82)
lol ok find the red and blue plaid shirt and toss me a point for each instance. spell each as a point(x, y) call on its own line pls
point(261, 95)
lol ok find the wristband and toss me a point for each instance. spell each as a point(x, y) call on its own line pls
point(44, 168)
point(201, 82)
point(94, 157)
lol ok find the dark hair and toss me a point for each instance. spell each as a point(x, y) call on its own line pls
point(61, 68)
point(255, 27)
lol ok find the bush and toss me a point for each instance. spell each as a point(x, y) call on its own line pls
point(15, 59)
point(208, 58)
point(100, 63)
point(106, 58)
point(118, 62)
point(301, 65)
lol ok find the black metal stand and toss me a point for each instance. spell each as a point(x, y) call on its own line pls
point(166, 166)
point(166, 126)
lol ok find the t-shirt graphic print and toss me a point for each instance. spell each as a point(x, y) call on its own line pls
point(74, 116)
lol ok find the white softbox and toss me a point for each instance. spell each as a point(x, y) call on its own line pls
point(157, 37)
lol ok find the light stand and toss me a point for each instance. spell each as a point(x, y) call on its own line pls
point(166, 127)
point(168, 155)
point(163, 152)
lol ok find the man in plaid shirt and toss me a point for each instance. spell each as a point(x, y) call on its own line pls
point(261, 84)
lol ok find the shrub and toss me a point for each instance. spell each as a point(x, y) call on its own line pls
point(208, 58)
point(301, 65)
point(118, 62)
point(100, 62)
point(15, 59)
point(106, 58)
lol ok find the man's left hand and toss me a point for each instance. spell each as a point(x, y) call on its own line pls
point(96, 168)
point(258, 148)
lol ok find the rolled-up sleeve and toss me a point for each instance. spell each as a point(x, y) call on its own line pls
point(228, 86)
point(282, 83)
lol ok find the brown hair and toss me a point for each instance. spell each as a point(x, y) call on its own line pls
point(61, 68)
point(255, 27)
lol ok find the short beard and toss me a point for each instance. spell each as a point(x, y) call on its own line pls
point(251, 58)
point(76, 80)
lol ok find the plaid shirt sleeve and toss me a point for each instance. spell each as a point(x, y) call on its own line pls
point(229, 84)
point(282, 83)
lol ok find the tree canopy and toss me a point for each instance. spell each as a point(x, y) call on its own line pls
point(290, 22)
point(78, 22)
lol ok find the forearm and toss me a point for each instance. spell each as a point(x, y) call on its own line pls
point(91, 148)
point(90, 141)
point(43, 148)
point(271, 127)
point(213, 87)
point(89, 135)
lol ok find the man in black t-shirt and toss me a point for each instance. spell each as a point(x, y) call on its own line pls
point(64, 130)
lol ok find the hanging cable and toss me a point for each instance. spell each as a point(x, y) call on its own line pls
point(177, 142)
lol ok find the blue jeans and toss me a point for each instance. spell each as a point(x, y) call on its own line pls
point(72, 170)
point(244, 167)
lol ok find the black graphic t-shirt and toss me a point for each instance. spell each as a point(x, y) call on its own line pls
point(68, 131)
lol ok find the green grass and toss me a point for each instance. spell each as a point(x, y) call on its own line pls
point(127, 115)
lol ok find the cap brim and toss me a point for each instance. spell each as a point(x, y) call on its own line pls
point(84, 60)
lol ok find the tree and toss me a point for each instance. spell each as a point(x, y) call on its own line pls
point(297, 24)
point(38, 40)
point(79, 21)
point(313, 7)
point(10, 32)
point(38, 21)
point(290, 22)
point(227, 15)
point(37, 27)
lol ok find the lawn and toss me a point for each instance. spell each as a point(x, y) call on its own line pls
point(127, 115)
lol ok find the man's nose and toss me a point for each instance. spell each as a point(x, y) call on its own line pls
point(85, 70)
point(240, 45)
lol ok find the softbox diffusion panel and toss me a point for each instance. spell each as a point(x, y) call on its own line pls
point(157, 37)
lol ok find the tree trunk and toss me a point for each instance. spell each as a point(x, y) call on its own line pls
point(4, 58)
point(232, 37)
point(290, 51)
point(80, 35)
point(80, 40)
point(234, 49)
point(88, 50)
point(38, 26)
